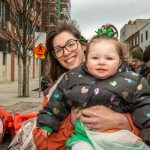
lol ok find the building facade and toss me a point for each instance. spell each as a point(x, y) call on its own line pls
point(136, 33)
point(131, 27)
point(133, 40)
point(11, 18)
point(53, 12)
point(144, 34)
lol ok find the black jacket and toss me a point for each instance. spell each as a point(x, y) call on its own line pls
point(144, 70)
point(124, 92)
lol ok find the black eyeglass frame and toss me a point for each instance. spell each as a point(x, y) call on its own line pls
point(53, 52)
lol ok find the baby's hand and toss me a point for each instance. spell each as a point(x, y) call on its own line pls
point(75, 114)
point(45, 133)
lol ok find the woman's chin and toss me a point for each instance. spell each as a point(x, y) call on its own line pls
point(72, 65)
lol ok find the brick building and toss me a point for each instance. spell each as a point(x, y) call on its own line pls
point(11, 22)
point(52, 12)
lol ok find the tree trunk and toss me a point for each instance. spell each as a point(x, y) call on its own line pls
point(23, 79)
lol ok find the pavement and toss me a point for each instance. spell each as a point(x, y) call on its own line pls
point(10, 101)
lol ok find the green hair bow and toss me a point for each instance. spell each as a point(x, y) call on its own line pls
point(108, 31)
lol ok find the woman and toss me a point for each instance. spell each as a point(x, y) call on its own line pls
point(63, 58)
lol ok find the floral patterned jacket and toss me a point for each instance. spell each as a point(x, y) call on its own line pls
point(124, 92)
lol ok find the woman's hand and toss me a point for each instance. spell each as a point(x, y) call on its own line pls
point(45, 133)
point(100, 118)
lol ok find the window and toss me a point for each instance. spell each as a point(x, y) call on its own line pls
point(18, 60)
point(30, 27)
point(4, 58)
point(19, 19)
point(36, 62)
point(137, 40)
point(4, 13)
point(30, 4)
point(19, 50)
point(7, 11)
point(29, 61)
point(30, 53)
point(128, 43)
point(122, 33)
point(146, 35)
point(1, 8)
point(142, 38)
point(133, 41)
point(4, 46)
point(37, 9)
point(37, 29)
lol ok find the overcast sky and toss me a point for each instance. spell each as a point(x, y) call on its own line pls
point(92, 14)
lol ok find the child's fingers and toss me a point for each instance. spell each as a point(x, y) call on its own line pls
point(48, 133)
point(44, 133)
point(78, 115)
point(75, 114)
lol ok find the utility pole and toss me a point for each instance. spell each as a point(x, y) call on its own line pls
point(48, 16)
point(59, 10)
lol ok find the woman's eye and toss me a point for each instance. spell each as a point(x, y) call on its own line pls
point(57, 50)
point(70, 44)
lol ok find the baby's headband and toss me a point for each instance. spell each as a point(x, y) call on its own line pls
point(108, 30)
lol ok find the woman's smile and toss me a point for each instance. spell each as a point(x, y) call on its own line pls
point(70, 59)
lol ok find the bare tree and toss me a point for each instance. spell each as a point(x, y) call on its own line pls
point(19, 26)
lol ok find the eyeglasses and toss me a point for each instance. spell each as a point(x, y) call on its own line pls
point(70, 46)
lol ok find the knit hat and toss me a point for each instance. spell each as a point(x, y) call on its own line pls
point(137, 52)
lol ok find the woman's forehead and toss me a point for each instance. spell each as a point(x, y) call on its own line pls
point(62, 38)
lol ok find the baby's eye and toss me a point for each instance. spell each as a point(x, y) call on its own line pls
point(109, 58)
point(95, 58)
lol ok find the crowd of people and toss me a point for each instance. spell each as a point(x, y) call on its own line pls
point(94, 90)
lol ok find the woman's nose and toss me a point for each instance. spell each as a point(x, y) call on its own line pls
point(66, 52)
